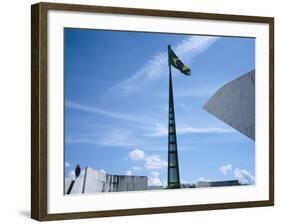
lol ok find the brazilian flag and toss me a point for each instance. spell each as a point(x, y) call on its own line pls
point(177, 63)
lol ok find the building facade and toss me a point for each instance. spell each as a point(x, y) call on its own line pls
point(234, 104)
point(94, 181)
point(218, 183)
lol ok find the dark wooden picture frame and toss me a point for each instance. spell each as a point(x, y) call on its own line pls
point(39, 105)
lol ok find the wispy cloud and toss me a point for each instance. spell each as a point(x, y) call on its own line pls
point(101, 112)
point(185, 107)
point(67, 164)
point(205, 90)
point(114, 137)
point(119, 137)
point(161, 130)
point(155, 162)
point(152, 70)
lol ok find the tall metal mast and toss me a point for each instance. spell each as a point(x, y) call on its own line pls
point(173, 163)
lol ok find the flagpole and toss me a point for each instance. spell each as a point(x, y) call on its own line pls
point(173, 166)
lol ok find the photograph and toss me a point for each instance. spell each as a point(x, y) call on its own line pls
point(147, 111)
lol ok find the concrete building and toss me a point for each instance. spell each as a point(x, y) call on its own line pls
point(234, 104)
point(218, 183)
point(93, 181)
point(188, 185)
point(155, 187)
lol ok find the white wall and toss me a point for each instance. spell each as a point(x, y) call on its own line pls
point(15, 111)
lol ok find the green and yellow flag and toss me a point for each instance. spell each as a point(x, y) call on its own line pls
point(177, 63)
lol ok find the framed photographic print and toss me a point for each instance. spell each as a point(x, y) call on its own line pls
point(140, 111)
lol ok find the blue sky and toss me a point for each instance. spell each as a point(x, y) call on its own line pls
point(116, 104)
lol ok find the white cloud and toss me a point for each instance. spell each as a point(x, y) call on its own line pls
point(154, 162)
point(67, 164)
point(102, 171)
point(152, 70)
point(151, 162)
point(154, 179)
point(226, 168)
point(129, 172)
point(202, 179)
point(244, 176)
point(136, 154)
point(136, 168)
